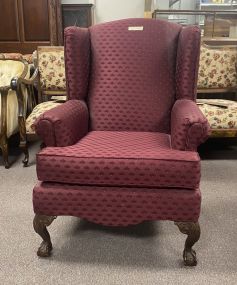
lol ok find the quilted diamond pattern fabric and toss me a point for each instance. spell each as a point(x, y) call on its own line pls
point(187, 63)
point(189, 127)
point(116, 206)
point(135, 159)
point(132, 84)
point(63, 125)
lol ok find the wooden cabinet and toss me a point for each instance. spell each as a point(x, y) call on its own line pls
point(80, 15)
point(26, 24)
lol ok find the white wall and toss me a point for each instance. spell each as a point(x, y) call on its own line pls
point(108, 10)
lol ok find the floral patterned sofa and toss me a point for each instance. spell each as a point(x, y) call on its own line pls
point(17, 56)
point(218, 73)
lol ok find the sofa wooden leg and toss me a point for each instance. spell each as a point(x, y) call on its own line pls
point(40, 223)
point(3, 127)
point(4, 148)
point(192, 230)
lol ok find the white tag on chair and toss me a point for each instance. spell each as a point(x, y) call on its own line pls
point(137, 28)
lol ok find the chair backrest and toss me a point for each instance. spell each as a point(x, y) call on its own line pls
point(10, 68)
point(51, 65)
point(137, 68)
point(218, 67)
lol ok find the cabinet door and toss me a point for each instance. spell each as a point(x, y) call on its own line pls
point(9, 29)
point(26, 24)
point(79, 15)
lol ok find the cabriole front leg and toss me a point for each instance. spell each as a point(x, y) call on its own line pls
point(40, 223)
point(192, 230)
point(23, 141)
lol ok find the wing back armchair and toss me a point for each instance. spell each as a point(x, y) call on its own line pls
point(122, 149)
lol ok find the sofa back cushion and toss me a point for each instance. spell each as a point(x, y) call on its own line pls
point(132, 80)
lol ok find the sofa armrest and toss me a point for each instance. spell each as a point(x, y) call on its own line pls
point(189, 127)
point(63, 125)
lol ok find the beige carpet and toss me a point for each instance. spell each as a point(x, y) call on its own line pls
point(150, 253)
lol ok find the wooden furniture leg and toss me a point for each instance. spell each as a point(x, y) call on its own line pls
point(193, 232)
point(3, 134)
point(40, 223)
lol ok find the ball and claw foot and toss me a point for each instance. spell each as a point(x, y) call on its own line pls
point(192, 230)
point(40, 223)
point(45, 249)
point(189, 257)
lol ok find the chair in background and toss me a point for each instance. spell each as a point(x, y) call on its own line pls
point(123, 148)
point(218, 75)
point(10, 102)
point(51, 65)
point(51, 84)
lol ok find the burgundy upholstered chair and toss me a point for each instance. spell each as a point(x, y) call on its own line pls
point(122, 150)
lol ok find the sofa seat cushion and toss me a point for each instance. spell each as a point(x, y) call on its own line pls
point(136, 159)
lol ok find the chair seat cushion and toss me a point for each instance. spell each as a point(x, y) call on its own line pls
point(37, 111)
point(221, 114)
point(136, 159)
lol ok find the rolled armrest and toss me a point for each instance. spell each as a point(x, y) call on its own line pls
point(63, 125)
point(189, 127)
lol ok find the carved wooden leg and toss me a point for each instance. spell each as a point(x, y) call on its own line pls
point(40, 223)
point(24, 148)
point(4, 148)
point(3, 132)
point(23, 138)
point(42, 145)
point(193, 232)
